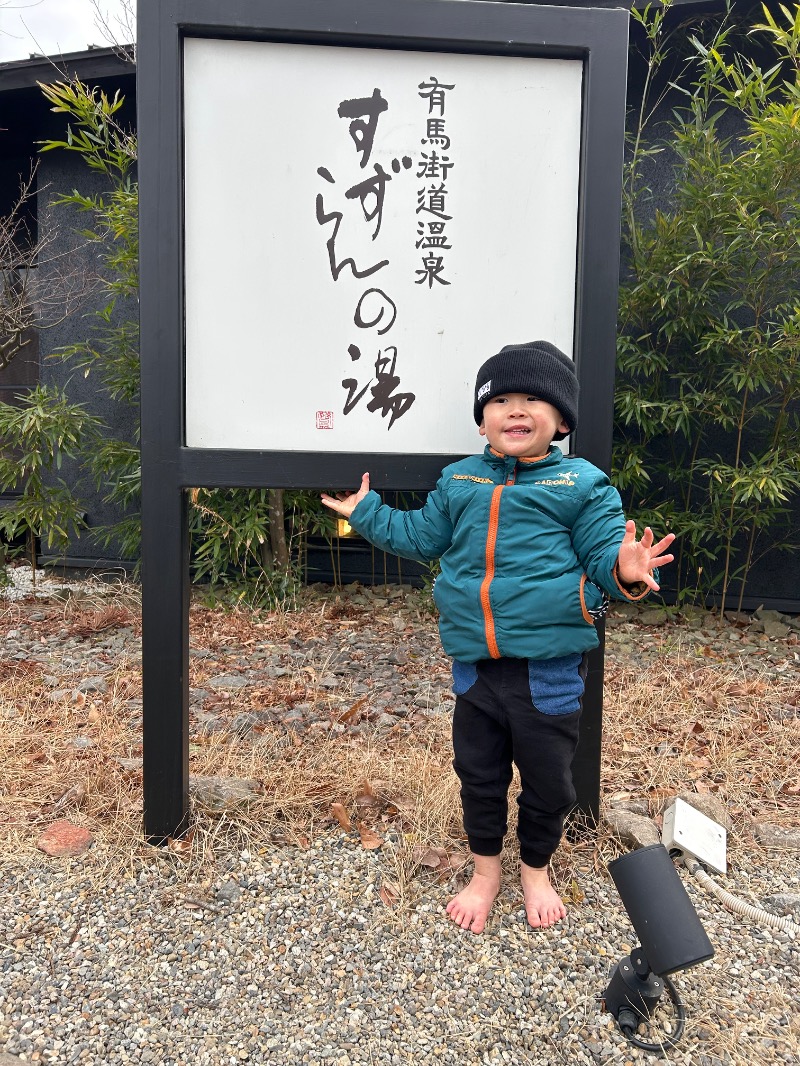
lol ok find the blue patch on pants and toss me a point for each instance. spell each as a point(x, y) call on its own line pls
point(464, 677)
point(556, 684)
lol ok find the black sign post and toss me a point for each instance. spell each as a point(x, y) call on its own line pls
point(596, 37)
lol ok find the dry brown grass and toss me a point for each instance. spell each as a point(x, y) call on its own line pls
point(688, 723)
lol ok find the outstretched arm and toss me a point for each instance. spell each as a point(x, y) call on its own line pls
point(638, 558)
point(345, 504)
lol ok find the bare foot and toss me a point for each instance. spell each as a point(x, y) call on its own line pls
point(543, 905)
point(470, 908)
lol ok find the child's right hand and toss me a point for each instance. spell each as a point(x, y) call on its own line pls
point(344, 504)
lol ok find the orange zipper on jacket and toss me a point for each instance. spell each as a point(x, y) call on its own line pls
point(491, 541)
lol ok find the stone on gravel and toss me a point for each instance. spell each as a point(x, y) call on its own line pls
point(93, 684)
point(654, 616)
point(224, 793)
point(631, 828)
point(229, 893)
point(227, 681)
point(711, 806)
point(776, 630)
point(633, 804)
point(130, 764)
point(777, 836)
point(784, 903)
point(64, 838)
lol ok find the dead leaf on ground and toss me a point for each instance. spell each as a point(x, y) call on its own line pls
point(181, 845)
point(574, 893)
point(433, 858)
point(440, 860)
point(370, 841)
point(389, 893)
point(367, 797)
point(341, 816)
point(352, 710)
point(401, 805)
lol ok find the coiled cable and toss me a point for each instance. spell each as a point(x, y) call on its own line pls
point(628, 1021)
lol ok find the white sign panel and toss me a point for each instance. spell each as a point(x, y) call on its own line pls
point(364, 227)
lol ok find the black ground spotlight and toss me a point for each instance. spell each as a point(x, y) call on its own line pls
point(671, 937)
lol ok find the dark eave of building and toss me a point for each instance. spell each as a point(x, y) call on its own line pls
point(88, 66)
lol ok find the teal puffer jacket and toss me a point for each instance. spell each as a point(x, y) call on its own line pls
point(526, 546)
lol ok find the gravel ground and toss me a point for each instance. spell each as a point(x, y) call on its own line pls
point(291, 955)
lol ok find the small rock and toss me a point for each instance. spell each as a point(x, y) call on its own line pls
point(224, 793)
point(230, 892)
point(385, 721)
point(654, 616)
point(81, 742)
point(631, 804)
point(243, 724)
point(227, 681)
point(631, 828)
point(775, 629)
point(777, 836)
point(60, 694)
point(711, 806)
point(624, 610)
point(93, 684)
point(64, 838)
point(784, 903)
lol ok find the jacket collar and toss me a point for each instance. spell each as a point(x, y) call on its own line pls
point(497, 459)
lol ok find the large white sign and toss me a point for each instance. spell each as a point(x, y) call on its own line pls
point(363, 228)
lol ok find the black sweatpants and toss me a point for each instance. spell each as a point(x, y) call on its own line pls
point(496, 723)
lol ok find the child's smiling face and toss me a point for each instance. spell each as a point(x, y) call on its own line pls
point(515, 423)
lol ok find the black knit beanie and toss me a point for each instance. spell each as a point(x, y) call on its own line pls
point(538, 369)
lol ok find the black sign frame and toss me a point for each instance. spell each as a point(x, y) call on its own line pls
point(596, 36)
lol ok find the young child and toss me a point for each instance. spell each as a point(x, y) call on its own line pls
point(531, 544)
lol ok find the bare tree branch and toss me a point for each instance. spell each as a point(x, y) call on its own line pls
point(26, 300)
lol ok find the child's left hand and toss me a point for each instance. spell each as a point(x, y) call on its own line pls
point(638, 558)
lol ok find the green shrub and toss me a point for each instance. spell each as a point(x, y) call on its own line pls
point(38, 434)
point(707, 428)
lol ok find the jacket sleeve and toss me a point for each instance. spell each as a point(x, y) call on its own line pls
point(423, 534)
point(596, 537)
